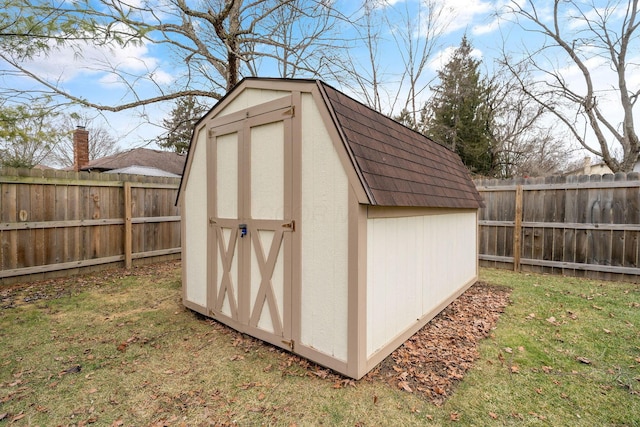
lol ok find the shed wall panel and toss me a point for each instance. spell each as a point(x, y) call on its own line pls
point(413, 265)
point(324, 231)
point(452, 256)
point(267, 171)
point(227, 175)
point(195, 222)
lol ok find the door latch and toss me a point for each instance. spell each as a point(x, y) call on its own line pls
point(243, 230)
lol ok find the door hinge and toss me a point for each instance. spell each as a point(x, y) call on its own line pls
point(291, 344)
point(291, 225)
point(211, 221)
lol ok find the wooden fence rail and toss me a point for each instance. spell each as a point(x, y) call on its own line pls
point(575, 225)
point(54, 222)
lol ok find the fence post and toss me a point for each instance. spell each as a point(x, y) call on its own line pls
point(517, 229)
point(127, 226)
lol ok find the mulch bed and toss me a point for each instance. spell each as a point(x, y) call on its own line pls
point(430, 363)
point(434, 360)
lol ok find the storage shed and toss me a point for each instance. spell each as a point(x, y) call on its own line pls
point(316, 224)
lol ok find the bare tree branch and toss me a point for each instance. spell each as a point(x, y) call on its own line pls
point(594, 31)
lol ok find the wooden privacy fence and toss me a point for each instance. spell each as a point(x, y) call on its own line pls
point(52, 222)
point(574, 225)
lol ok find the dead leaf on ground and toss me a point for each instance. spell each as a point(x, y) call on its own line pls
point(434, 360)
point(584, 360)
point(405, 386)
point(18, 417)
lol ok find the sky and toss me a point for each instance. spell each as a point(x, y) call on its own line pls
point(82, 72)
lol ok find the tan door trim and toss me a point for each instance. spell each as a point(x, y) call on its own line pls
point(246, 313)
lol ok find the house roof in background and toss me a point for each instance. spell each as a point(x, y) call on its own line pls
point(143, 170)
point(398, 166)
point(167, 161)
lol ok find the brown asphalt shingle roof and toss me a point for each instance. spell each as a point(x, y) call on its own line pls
point(398, 166)
point(163, 160)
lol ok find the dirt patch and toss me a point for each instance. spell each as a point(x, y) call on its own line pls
point(15, 295)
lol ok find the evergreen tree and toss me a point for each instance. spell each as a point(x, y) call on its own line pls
point(186, 112)
point(460, 117)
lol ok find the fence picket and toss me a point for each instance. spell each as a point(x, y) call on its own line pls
point(56, 223)
point(575, 225)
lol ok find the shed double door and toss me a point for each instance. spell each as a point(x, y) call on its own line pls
point(251, 224)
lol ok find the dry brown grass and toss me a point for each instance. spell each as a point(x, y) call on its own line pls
point(119, 349)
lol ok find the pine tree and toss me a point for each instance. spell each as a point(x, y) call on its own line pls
point(186, 112)
point(460, 117)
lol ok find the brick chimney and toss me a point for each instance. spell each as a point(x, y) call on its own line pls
point(80, 148)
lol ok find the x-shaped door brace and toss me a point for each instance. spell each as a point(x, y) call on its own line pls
point(265, 291)
point(226, 284)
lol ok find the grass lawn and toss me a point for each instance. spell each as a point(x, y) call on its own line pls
point(120, 350)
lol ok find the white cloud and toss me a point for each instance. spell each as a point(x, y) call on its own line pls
point(479, 30)
point(462, 13)
point(381, 4)
point(68, 63)
point(496, 17)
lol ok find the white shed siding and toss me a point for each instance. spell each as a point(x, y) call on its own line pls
point(226, 175)
point(324, 231)
point(267, 171)
point(413, 265)
point(194, 220)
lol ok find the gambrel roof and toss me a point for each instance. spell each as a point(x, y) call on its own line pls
point(400, 167)
point(396, 166)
